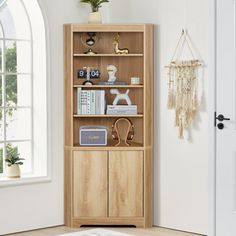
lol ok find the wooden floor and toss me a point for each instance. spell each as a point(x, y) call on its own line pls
point(133, 231)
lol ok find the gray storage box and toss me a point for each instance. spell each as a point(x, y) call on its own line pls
point(93, 136)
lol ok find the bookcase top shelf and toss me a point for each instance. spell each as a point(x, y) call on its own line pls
point(108, 55)
point(108, 27)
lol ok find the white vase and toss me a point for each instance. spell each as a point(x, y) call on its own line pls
point(95, 18)
point(13, 171)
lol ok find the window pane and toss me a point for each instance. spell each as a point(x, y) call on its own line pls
point(1, 32)
point(1, 62)
point(1, 91)
point(17, 56)
point(1, 125)
point(1, 158)
point(18, 124)
point(7, 20)
point(10, 56)
point(24, 149)
point(18, 90)
point(14, 20)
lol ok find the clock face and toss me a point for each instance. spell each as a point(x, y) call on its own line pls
point(94, 73)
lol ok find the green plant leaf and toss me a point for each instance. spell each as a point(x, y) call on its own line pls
point(102, 1)
point(85, 1)
point(7, 160)
point(95, 4)
point(19, 163)
point(13, 157)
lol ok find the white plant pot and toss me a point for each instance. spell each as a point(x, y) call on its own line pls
point(95, 17)
point(13, 171)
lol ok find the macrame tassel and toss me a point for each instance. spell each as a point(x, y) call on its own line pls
point(170, 102)
point(177, 118)
point(195, 101)
point(194, 105)
point(181, 129)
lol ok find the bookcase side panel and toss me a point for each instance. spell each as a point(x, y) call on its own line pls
point(149, 86)
point(148, 126)
point(68, 187)
point(68, 76)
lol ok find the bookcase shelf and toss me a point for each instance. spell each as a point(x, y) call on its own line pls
point(111, 146)
point(106, 116)
point(108, 55)
point(107, 86)
point(109, 185)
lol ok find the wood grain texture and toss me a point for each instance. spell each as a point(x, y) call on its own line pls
point(90, 184)
point(108, 27)
point(148, 85)
point(125, 183)
point(68, 78)
point(148, 183)
point(68, 187)
point(133, 147)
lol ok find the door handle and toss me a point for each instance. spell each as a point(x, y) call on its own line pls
point(220, 118)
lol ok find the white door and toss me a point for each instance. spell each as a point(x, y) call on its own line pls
point(226, 105)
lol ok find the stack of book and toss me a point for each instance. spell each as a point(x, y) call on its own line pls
point(90, 102)
point(122, 110)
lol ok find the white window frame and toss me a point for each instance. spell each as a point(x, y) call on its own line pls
point(38, 175)
point(4, 107)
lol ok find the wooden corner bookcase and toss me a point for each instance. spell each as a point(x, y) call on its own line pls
point(109, 185)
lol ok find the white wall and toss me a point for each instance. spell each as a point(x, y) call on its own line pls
point(181, 166)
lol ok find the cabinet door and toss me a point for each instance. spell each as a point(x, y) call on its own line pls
point(125, 183)
point(90, 183)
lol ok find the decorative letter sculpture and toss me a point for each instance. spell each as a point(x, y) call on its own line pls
point(118, 50)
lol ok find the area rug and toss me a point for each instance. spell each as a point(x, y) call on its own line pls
point(96, 232)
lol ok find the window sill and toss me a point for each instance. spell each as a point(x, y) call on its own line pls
point(24, 180)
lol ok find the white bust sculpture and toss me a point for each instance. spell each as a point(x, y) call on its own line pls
point(111, 69)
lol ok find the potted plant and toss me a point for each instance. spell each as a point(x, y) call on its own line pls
point(95, 16)
point(13, 163)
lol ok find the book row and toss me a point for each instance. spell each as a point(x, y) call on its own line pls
point(93, 102)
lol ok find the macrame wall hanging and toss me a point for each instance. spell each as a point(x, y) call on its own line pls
point(182, 84)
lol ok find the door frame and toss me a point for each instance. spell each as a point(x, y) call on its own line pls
point(212, 108)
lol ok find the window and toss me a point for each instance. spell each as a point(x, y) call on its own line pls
point(23, 109)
